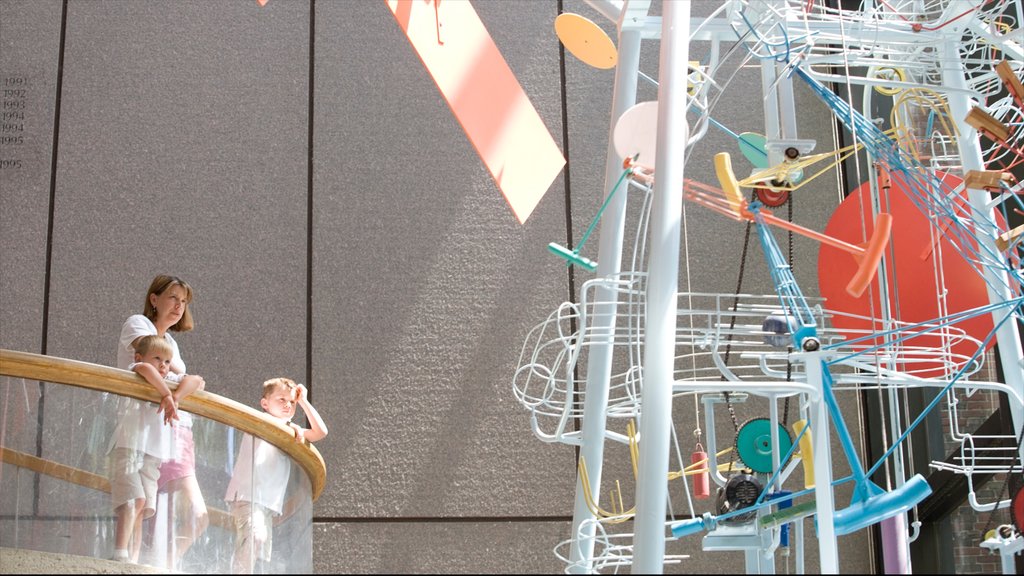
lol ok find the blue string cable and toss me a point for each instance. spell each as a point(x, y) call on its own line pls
point(935, 401)
point(933, 197)
point(932, 325)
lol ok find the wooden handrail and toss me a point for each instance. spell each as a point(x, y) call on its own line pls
point(55, 470)
point(124, 383)
point(79, 477)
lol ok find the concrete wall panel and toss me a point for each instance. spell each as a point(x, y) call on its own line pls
point(183, 153)
point(29, 55)
point(424, 283)
point(485, 547)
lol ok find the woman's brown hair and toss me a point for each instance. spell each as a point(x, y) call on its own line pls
point(160, 284)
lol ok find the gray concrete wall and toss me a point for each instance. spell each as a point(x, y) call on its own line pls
point(296, 164)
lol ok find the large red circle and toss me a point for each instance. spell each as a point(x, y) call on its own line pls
point(913, 283)
point(1017, 508)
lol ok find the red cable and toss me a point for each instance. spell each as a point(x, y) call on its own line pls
point(918, 27)
point(954, 19)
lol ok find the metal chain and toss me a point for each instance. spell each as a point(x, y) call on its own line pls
point(789, 350)
point(732, 323)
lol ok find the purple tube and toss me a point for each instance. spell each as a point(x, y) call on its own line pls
point(894, 545)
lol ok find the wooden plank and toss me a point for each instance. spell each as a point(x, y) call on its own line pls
point(985, 122)
point(1012, 82)
point(987, 179)
point(218, 518)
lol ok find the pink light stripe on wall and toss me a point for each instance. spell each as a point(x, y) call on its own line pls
point(485, 97)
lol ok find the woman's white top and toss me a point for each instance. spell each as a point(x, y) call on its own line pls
point(134, 328)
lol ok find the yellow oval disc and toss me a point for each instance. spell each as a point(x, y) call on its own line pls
point(586, 40)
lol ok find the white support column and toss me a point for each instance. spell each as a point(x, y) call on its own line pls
point(796, 544)
point(602, 325)
point(1011, 356)
point(787, 106)
point(824, 499)
point(663, 282)
point(772, 114)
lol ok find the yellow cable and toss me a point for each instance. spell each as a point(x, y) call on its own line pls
point(598, 512)
point(926, 100)
point(780, 172)
point(692, 469)
point(618, 512)
point(634, 449)
point(900, 77)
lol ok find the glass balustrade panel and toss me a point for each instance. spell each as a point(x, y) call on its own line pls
point(68, 450)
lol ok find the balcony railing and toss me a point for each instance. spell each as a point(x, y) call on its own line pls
point(57, 418)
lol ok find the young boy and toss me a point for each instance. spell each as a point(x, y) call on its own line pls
point(142, 440)
point(254, 504)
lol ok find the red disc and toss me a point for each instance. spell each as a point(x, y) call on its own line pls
point(913, 285)
point(1017, 508)
point(771, 197)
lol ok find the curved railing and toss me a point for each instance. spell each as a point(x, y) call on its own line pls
point(55, 480)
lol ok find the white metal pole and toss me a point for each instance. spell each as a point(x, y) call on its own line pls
point(772, 114)
point(599, 362)
point(787, 106)
point(796, 543)
point(663, 282)
point(824, 499)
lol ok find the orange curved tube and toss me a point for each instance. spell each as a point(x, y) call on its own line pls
point(872, 255)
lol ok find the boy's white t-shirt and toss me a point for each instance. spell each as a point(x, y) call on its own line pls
point(142, 427)
point(271, 468)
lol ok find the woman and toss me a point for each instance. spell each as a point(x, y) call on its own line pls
point(166, 310)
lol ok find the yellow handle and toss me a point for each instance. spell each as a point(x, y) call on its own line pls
point(806, 454)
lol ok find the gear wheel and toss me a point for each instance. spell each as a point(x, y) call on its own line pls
point(754, 444)
point(772, 197)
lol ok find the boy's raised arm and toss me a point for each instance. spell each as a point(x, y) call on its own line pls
point(317, 429)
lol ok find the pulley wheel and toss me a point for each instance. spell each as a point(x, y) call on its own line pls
point(754, 444)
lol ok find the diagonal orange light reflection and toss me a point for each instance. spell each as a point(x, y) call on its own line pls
point(485, 97)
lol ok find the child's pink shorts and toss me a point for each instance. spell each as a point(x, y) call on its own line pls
point(184, 464)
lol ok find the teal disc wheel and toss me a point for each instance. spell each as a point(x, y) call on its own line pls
point(754, 444)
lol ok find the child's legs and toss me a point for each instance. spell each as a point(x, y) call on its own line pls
point(148, 474)
point(136, 542)
point(253, 533)
point(191, 516)
point(178, 480)
point(127, 493)
point(126, 515)
point(242, 562)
